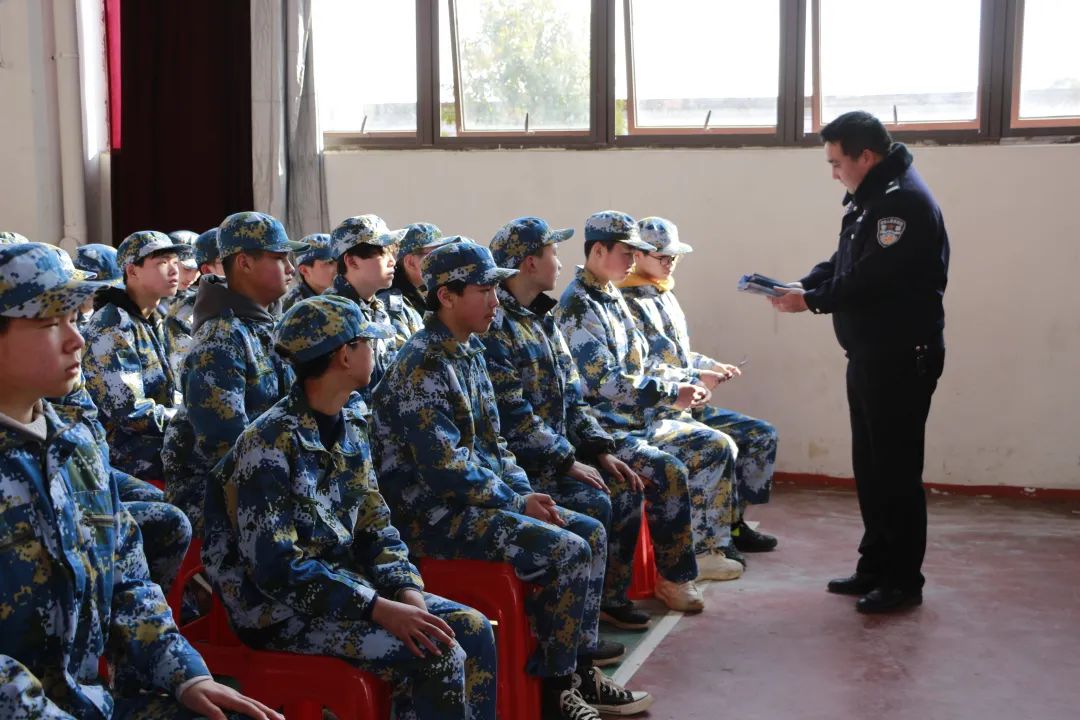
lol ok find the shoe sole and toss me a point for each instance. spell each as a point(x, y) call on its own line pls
point(622, 624)
point(718, 577)
point(913, 602)
point(604, 662)
point(851, 593)
point(638, 706)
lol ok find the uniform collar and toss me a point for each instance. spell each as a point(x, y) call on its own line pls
point(606, 290)
point(634, 279)
point(345, 289)
point(46, 427)
point(441, 337)
point(540, 307)
point(307, 428)
point(891, 167)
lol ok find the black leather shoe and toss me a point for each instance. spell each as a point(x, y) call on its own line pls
point(883, 600)
point(856, 584)
point(749, 540)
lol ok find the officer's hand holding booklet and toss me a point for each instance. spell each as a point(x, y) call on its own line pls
point(761, 285)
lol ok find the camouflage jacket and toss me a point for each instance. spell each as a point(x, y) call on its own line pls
point(543, 415)
point(374, 311)
point(178, 329)
point(232, 374)
point(73, 582)
point(436, 431)
point(128, 376)
point(661, 319)
point(404, 318)
point(610, 354)
point(315, 537)
point(299, 291)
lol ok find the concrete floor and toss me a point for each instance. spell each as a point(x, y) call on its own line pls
point(998, 635)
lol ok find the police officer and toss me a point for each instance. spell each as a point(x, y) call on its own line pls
point(884, 287)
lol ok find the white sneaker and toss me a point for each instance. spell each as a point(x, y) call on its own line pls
point(715, 566)
point(683, 597)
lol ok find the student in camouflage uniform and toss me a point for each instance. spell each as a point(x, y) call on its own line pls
point(189, 266)
point(315, 270)
point(182, 310)
point(231, 373)
point(649, 294)
point(315, 565)
point(127, 371)
point(457, 492)
point(11, 238)
point(73, 578)
point(101, 261)
point(549, 426)
point(646, 405)
point(403, 300)
point(363, 250)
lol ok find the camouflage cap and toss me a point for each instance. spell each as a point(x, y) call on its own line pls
point(462, 259)
point(250, 231)
point(101, 261)
point(360, 229)
point(142, 244)
point(662, 236)
point(614, 225)
point(421, 236)
point(320, 247)
point(8, 237)
point(35, 284)
point(186, 237)
point(321, 324)
point(518, 239)
point(69, 265)
point(206, 248)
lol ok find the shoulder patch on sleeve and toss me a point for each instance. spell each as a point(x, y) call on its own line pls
point(889, 230)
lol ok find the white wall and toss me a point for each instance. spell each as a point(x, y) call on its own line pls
point(1007, 411)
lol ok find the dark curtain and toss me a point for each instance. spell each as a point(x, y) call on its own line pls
point(184, 155)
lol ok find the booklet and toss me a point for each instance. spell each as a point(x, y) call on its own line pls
point(760, 285)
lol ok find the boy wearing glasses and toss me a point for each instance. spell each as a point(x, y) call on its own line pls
point(649, 292)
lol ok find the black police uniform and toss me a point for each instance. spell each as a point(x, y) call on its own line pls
point(884, 287)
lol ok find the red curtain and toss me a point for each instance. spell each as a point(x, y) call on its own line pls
point(180, 107)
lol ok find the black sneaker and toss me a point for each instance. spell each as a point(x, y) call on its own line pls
point(626, 617)
point(732, 553)
point(606, 652)
point(749, 540)
point(606, 696)
point(567, 705)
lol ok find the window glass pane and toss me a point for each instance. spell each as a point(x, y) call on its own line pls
point(1050, 60)
point(808, 73)
point(621, 120)
point(365, 79)
point(916, 61)
point(522, 57)
point(698, 59)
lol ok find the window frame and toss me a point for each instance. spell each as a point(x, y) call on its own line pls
point(1000, 47)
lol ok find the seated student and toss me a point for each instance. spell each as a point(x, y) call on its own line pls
point(75, 585)
point(101, 261)
point(649, 294)
point(630, 400)
point(182, 311)
point(363, 250)
point(127, 371)
point(404, 300)
point(457, 493)
point(551, 429)
point(231, 373)
point(315, 270)
point(315, 565)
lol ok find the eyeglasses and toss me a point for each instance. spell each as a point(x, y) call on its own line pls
point(663, 259)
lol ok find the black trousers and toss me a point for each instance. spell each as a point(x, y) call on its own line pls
point(889, 399)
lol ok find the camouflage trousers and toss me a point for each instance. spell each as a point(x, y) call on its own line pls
point(166, 535)
point(667, 510)
point(707, 459)
point(756, 441)
point(566, 563)
point(459, 684)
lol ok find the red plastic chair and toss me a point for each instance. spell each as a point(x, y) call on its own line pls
point(189, 567)
point(494, 589)
point(301, 685)
point(643, 579)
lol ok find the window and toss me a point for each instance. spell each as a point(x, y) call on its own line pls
point(1046, 78)
point(365, 67)
point(513, 67)
point(702, 65)
point(613, 73)
point(913, 66)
